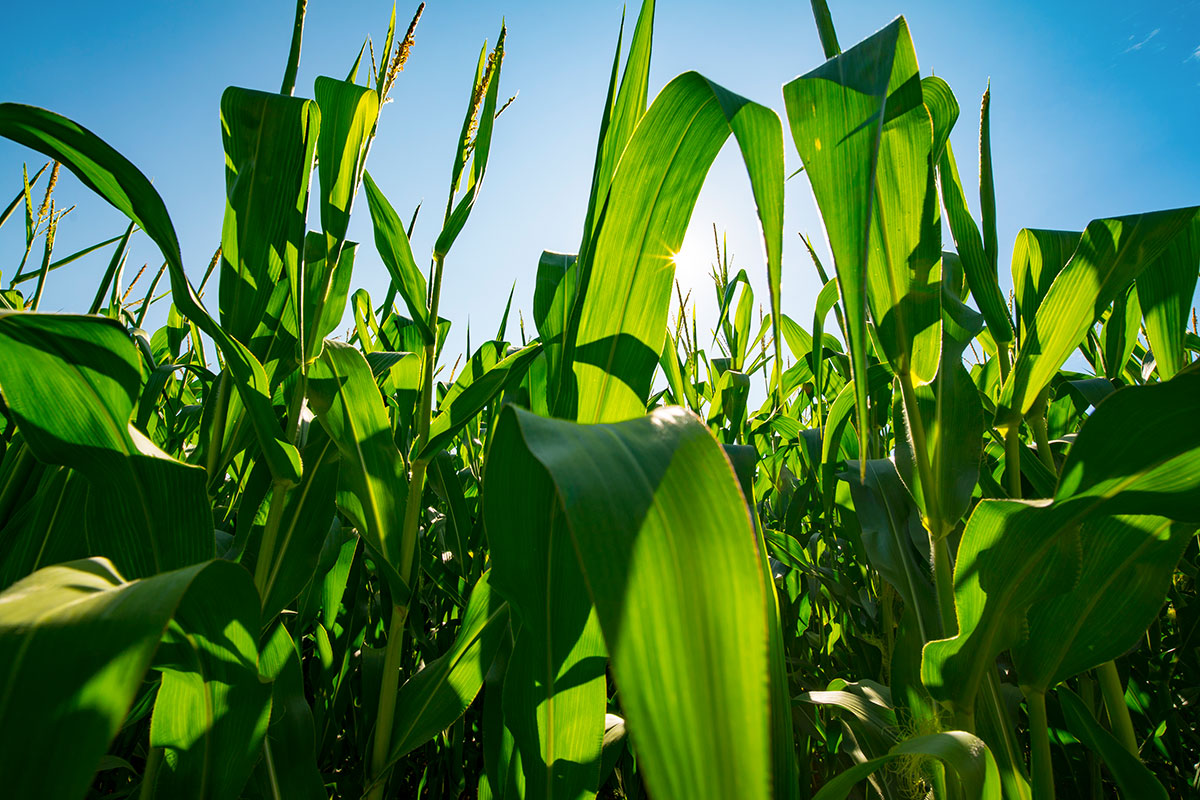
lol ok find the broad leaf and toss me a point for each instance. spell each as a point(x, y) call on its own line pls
point(666, 546)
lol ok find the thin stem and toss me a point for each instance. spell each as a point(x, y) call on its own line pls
point(266, 553)
point(150, 775)
point(388, 687)
point(1087, 693)
point(1039, 738)
point(408, 541)
point(1005, 363)
point(1037, 423)
point(1114, 702)
point(943, 575)
point(217, 438)
point(1012, 459)
point(272, 777)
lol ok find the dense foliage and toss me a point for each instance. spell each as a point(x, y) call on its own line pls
point(951, 554)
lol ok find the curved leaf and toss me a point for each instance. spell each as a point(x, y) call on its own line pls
point(71, 383)
point(628, 279)
point(73, 707)
point(113, 177)
point(967, 755)
point(669, 556)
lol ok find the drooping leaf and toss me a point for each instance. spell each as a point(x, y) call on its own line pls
point(307, 515)
point(212, 709)
point(1139, 453)
point(73, 707)
point(485, 376)
point(431, 700)
point(1134, 778)
point(967, 755)
point(290, 740)
point(113, 177)
point(70, 383)
point(665, 543)
point(626, 284)
point(1165, 290)
point(1127, 563)
point(866, 138)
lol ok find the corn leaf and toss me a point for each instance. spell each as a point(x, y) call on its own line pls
point(1127, 563)
point(628, 279)
point(1111, 254)
point(866, 139)
point(1165, 290)
point(391, 241)
point(113, 177)
point(70, 383)
point(73, 707)
point(979, 269)
point(1134, 778)
point(440, 693)
point(212, 709)
point(290, 740)
point(484, 378)
point(668, 552)
point(269, 142)
point(967, 755)
point(348, 404)
point(1139, 453)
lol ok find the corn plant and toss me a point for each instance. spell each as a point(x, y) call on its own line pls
point(892, 547)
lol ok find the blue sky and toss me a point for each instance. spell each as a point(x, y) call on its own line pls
point(1095, 111)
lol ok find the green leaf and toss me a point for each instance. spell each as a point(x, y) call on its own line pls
point(826, 299)
point(1127, 564)
point(623, 110)
point(1120, 332)
point(967, 755)
point(346, 400)
point(866, 139)
point(1111, 253)
point(348, 115)
point(1139, 453)
point(1165, 290)
point(440, 693)
point(73, 707)
point(1134, 778)
point(326, 286)
point(269, 143)
point(829, 41)
point(70, 383)
point(391, 241)
point(47, 529)
point(307, 515)
point(980, 270)
point(291, 740)
point(1038, 257)
point(114, 178)
point(891, 534)
point(212, 710)
point(668, 553)
point(952, 420)
point(479, 384)
point(627, 281)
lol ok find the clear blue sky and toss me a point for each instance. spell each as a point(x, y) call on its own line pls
point(1095, 112)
